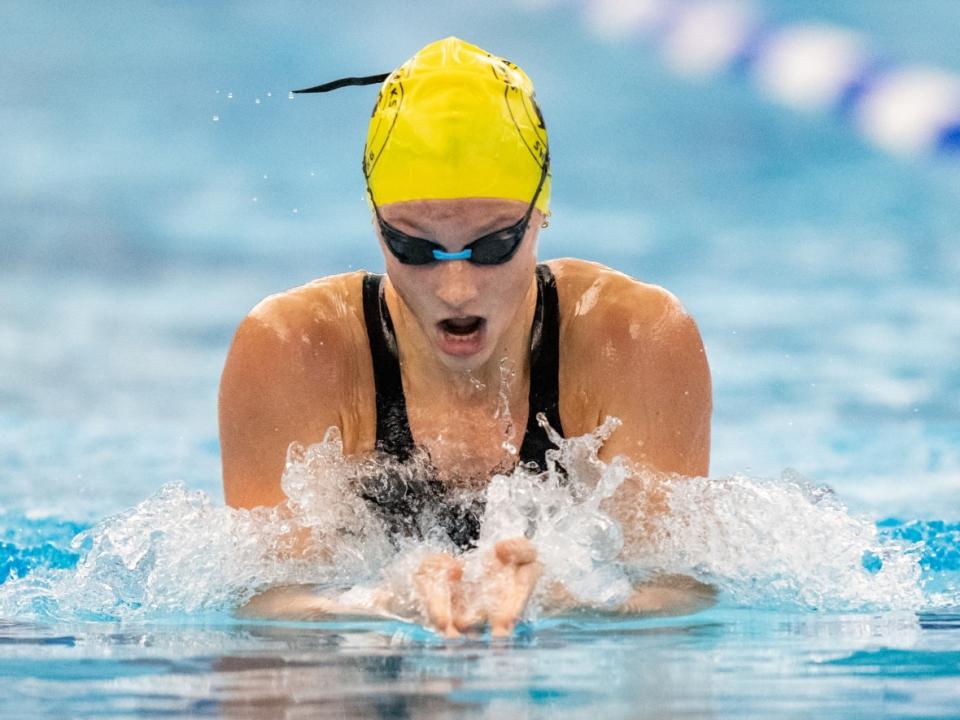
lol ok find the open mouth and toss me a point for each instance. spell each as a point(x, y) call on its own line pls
point(461, 326)
point(461, 336)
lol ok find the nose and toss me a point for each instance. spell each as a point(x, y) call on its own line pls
point(456, 284)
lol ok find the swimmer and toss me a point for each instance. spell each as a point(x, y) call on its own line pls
point(464, 325)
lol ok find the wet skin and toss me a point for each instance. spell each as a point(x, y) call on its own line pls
point(300, 363)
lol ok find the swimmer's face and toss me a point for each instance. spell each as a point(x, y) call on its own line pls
point(462, 308)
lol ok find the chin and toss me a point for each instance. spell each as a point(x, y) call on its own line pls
point(466, 363)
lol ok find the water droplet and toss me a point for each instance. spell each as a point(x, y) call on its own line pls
point(269, 94)
point(218, 92)
point(312, 173)
point(257, 101)
point(254, 199)
point(230, 96)
point(296, 210)
point(216, 118)
point(265, 177)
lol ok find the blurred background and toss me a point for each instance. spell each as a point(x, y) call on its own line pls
point(156, 182)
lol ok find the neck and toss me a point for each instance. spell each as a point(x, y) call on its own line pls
point(506, 371)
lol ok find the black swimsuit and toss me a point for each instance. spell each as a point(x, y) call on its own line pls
point(400, 509)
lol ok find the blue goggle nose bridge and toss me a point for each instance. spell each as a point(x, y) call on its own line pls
point(462, 255)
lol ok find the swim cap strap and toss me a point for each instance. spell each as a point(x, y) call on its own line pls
point(344, 82)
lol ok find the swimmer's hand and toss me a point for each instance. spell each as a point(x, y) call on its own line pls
point(452, 607)
point(512, 572)
point(447, 603)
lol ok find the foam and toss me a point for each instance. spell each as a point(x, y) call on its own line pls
point(765, 543)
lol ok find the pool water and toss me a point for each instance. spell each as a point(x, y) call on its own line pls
point(723, 663)
point(157, 183)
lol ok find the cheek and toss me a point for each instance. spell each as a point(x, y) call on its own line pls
point(509, 294)
point(412, 290)
point(415, 287)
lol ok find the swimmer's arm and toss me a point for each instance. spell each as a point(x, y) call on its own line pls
point(659, 387)
point(305, 603)
point(440, 597)
point(661, 596)
point(648, 368)
point(669, 595)
point(275, 389)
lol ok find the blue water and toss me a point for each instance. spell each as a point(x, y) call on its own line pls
point(135, 232)
point(718, 664)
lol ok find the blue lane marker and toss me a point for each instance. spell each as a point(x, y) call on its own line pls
point(673, 25)
point(861, 87)
point(753, 46)
point(948, 140)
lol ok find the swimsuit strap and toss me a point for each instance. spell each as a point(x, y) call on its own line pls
point(544, 370)
point(393, 427)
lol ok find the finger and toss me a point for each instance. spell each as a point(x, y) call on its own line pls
point(466, 614)
point(516, 588)
point(524, 581)
point(454, 594)
point(433, 582)
point(470, 619)
point(454, 570)
point(527, 576)
point(501, 627)
point(516, 551)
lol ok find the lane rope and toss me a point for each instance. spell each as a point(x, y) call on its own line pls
point(906, 109)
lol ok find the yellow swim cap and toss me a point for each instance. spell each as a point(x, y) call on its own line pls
point(455, 121)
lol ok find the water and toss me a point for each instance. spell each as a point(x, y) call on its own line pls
point(718, 664)
point(822, 274)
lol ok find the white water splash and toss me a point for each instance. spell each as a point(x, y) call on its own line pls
point(560, 512)
point(784, 543)
point(765, 543)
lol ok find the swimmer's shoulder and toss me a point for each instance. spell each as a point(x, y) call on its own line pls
point(295, 369)
point(600, 303)
point(302, 342)
point(621, 338)
point(326, 311)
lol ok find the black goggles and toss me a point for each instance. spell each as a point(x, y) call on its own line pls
point(492, 249)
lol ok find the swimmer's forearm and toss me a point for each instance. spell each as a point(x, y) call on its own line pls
point(670, 595)
point(305, 603)
point(666, 595)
